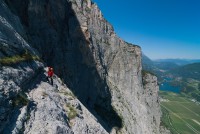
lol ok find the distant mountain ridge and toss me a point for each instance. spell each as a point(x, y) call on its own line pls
point(157, 67)
point(179, 62)
point(186, 68)
point(183, 73)
point(188, 78)
point(165, 65)
point(147, 63)
point(187, 71)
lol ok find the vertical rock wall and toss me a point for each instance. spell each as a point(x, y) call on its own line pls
point(119, 63)
point(100, 68)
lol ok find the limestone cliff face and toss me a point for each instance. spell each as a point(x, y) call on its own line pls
point(102, 70)
point(13, 79)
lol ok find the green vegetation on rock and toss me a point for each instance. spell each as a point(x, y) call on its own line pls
point(18, 58)
point(20, 100)
point(145, 72)
point(71, 111)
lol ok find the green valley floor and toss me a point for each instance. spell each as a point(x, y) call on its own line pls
point(180, 114)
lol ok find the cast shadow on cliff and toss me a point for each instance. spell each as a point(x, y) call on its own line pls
point(84, 80)
point(66, 47)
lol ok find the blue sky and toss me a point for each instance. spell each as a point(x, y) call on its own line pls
point(163, 28)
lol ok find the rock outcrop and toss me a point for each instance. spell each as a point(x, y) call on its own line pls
point(102, 70)
point(54, 110)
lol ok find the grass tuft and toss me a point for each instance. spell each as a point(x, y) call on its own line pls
point(18, 58)
point(71, 111)
point(68, 94)
point(20, 100)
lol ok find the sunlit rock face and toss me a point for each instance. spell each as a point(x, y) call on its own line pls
point(103, 71)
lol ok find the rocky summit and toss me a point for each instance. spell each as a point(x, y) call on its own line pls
point(98, 87)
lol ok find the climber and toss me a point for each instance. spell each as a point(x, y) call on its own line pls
point(50, 75)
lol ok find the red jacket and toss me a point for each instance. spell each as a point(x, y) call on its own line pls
point(50, 73)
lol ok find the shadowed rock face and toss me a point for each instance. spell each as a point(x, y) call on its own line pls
point(14, 77)
point(102, 70)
